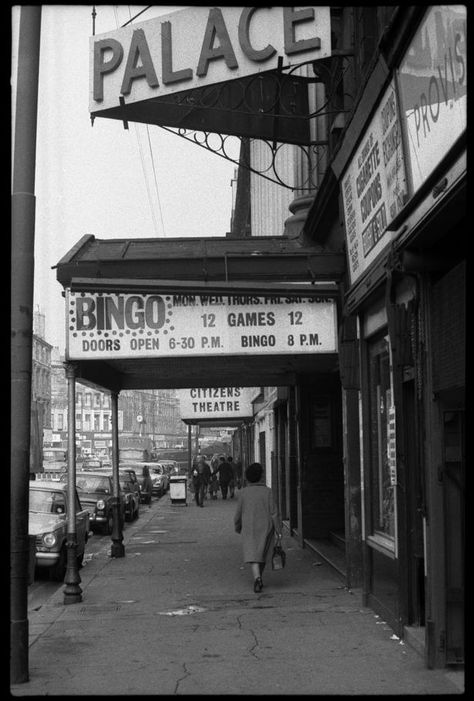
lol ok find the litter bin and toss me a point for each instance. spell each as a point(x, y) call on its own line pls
point(178, 489)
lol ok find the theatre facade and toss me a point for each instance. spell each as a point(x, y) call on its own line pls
point(347, 329)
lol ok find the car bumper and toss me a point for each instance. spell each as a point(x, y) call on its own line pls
point(46, 559)
point(97, 519)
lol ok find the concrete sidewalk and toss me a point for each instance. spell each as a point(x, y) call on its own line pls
point(178, 615)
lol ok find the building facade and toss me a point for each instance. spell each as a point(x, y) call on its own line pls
point(40, 391)
point(373, 456)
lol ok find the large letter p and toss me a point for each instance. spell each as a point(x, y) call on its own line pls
point(101, 67)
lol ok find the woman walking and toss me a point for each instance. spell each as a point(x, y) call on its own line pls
point(257, 519)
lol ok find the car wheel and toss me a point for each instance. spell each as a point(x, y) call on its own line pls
point(58, 571)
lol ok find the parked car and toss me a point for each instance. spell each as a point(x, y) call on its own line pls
point(171, 467)
point(160, 479)
point(96, 493)
point(48, 523)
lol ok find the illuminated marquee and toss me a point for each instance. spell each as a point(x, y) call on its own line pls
point(201, 46)
point(103, 325)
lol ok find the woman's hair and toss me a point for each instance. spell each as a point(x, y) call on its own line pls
point(253, 472)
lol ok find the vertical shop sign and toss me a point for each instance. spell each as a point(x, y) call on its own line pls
point(391, 443)
point(374, 187)
point(433, 89)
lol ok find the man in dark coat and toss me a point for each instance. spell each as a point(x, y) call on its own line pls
point(201, 477)
point(226, 476)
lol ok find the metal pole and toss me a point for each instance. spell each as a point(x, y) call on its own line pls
point(118, 548)
point(190, 448)
point(72, 590)
point(22, 269)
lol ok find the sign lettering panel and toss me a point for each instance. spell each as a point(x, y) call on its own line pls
point(216, 402)
point(110, 325)
point(374, 187)
point(201, 46)
point(433, 88)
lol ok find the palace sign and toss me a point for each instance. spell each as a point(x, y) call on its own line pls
point(108, 326)
point(201, 46)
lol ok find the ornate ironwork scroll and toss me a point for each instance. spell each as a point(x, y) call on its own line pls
point(272, 108)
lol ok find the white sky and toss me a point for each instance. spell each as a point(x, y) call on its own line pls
point(100, 180)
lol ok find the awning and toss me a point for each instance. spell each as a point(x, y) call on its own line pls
point(260, 265)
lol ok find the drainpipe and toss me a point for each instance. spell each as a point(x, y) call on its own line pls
point(22, 268)
point(190, 448)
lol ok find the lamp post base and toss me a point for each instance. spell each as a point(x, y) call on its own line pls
point(117, 550)
point(72, 594)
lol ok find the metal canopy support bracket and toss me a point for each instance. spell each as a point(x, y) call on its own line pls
point(122, 105)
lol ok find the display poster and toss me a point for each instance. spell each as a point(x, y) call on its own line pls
point(121, 325)
point(374, 186)
point(200, 403)
point(433, 89)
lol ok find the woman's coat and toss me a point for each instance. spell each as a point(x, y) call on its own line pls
point(256, 518)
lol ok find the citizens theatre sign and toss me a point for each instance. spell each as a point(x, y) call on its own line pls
point(141, 72)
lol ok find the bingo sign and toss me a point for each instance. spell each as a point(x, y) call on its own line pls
point(374, 187)
point(116, 325)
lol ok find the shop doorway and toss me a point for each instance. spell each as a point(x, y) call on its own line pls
point(322, 473)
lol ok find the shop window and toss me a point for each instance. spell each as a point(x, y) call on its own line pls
point(382, 430)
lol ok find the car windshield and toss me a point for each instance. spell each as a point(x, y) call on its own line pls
point(47, 502)
point(93, 483)
point(158, 470)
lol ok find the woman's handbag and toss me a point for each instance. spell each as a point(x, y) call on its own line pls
point(278, 557)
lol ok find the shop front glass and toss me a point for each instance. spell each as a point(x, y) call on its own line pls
point(382, 423)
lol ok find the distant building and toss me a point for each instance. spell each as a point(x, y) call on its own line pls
point(40, 391)
point(147, 419)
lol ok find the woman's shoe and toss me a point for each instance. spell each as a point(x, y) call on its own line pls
point(258, 585)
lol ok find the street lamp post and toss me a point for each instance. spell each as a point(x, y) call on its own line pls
point(118, 548)
point(72, 590)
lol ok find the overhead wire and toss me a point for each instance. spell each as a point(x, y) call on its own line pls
point(140, 148)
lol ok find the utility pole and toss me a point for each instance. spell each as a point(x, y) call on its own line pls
point(22, 268)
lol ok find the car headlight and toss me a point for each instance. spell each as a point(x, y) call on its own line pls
point(101, 504)
point(50, 539)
